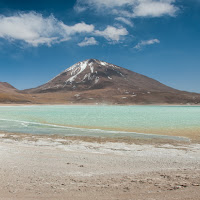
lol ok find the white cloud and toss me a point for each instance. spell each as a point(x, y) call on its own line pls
point(112, 33)
point(131, 8)
point(36, 30)
point(31, 28)
point(124, 20)
point(77, 28)
point(154, 9)
point(88, 41)
point(146, 42)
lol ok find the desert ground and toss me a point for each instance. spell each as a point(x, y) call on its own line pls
point(44, 167)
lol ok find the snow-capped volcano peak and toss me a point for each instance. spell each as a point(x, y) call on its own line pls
point(81, 66)
point(95, 74)
point(86, 70)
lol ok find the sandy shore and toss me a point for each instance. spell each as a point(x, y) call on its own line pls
point(35, 167)
point(92, 104)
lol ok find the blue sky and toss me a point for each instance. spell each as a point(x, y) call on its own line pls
point(157, 38)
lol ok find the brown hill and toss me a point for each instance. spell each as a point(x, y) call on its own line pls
point(6, 87)
point(9, 94)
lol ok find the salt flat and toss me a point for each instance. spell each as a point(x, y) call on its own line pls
point(35, 167)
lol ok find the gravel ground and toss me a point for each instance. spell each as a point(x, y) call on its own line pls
point(35, 167)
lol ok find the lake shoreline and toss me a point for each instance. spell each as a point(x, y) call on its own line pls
point(92, 139)
point(167, 122)
point(93, 104)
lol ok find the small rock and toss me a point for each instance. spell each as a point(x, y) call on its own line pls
point(195, 184)
point(177, 187)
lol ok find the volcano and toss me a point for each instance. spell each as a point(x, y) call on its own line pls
point(95, 74)
point(95, 81)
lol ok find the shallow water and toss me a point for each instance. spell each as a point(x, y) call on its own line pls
point(100, 120)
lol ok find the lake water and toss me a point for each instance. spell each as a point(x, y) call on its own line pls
point(103, 121)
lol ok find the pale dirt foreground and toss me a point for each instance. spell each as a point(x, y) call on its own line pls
point(45, 168)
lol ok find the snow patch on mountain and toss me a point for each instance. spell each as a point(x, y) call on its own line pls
point(76, 70)
point(73, 73)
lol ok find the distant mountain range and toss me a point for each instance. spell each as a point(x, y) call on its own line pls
point(95, 81)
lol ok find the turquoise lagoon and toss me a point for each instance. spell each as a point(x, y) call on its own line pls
point(105, 121)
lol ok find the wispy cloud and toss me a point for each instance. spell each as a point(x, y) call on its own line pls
point(130, 8)
point(145, 43)
point(112, 33)
point(124, 20)
point(102, 3)
point(88, 41)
